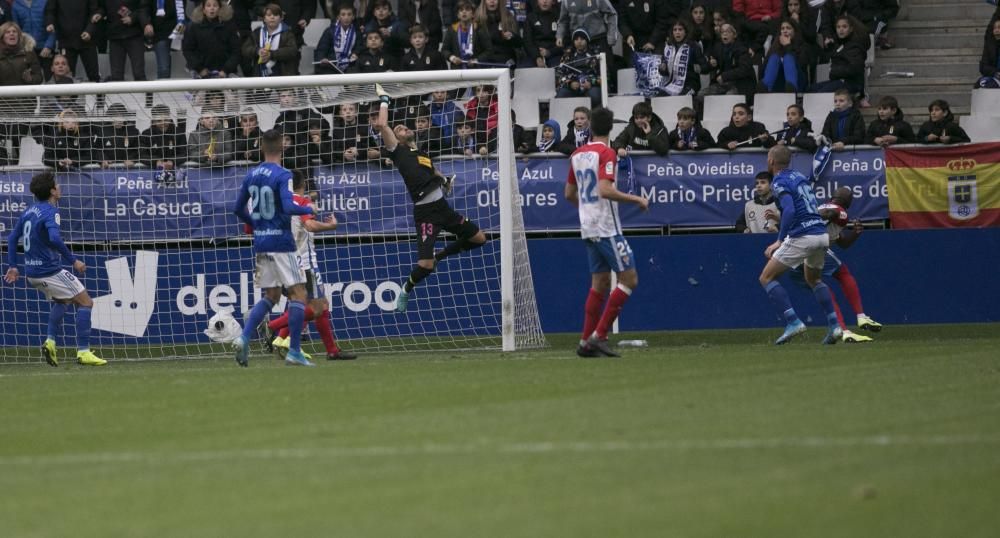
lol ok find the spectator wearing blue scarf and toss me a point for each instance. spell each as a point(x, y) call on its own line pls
point(339, 45)
point(273, 46)
point(844, 125)
point(550, 136)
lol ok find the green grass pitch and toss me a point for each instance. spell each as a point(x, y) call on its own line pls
point(702, 434)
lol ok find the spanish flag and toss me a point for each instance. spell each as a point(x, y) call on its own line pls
point(944, 187)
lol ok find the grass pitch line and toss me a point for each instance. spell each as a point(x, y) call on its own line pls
point(579, 447)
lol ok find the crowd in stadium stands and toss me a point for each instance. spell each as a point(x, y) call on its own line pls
point(743, 46)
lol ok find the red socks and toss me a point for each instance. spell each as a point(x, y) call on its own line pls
point(592, 312)
point(611, 311)
point(326, 332)
point(850, 288)
point(280, 326)
point(281, 322)
point(840, 317)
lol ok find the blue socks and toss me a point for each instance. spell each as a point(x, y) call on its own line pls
point(825, 299)
point(55, 319)
point(82, 328)
point(257, 314)
point(779, 298)
point(296, 317)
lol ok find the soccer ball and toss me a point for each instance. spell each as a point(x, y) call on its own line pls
point(223, 328)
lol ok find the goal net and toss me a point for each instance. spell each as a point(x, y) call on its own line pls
point(149, 173)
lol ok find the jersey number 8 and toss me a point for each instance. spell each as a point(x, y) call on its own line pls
point(262, 198)
point(26, 236)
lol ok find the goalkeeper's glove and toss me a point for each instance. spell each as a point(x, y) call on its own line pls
point(380, 92)
point(447, 182)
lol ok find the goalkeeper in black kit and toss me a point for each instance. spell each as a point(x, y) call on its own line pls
point(431, 212)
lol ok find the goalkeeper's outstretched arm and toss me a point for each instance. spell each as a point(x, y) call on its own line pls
point(382, 124)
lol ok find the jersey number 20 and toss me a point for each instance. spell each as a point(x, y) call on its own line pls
point(261, 198)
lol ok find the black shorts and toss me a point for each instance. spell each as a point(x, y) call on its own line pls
point(315, 288)
point(436, 216)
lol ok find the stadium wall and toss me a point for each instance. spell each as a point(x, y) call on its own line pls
point(710, 281)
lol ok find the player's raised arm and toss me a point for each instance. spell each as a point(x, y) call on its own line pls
point(382, 123)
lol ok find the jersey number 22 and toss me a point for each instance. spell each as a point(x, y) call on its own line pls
point(587, 180)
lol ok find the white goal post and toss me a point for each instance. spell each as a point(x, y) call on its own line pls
point(149, 172)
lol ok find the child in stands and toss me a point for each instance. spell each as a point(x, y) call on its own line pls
point(444, 113)
point(551, 133)
point(394, 32)
point(688, 135)
point(339, 45)
point(119, 139)
point(941, 128)
point(577, 131)
point(579, 74)
point(350, 137)
point(484, 109)
point(374, 59)
point(465, 42)
point(162, 145)
point(420, 57)
point(889, 128)
point(798, 130)
point(844, 125)
point(743, 131)
point(645, 131)
point(464, 141)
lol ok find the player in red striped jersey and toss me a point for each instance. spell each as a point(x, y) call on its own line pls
point(318, 310)
point(844, 233)
point(591, 187)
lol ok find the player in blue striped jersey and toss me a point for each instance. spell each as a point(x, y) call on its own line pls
point(802, 238)
point(44, 254)
point(265, 203)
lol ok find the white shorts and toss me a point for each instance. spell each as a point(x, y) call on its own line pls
point(810, 249)
point(278, 269)
point(61, 285)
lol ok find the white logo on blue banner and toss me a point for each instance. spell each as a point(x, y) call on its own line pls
point(129, 306)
